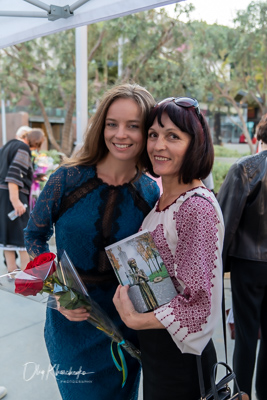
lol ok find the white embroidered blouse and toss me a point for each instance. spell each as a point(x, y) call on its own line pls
point(189, 236)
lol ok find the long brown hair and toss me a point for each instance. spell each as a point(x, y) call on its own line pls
point(94, 148)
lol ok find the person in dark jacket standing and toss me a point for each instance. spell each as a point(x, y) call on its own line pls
point(15, 184)
point(243, 200)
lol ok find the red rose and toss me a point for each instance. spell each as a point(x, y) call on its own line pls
point(42, 259)
point(30, 281)
point(27, 285)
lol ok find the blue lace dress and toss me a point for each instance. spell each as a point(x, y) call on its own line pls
point(88, 215)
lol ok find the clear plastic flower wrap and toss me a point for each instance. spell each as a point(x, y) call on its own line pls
point(58, 284)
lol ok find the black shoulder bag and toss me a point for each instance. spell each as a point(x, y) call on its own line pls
point(220, 390)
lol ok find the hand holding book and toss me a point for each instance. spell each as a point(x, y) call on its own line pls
point(130, 316)
point(137, 263)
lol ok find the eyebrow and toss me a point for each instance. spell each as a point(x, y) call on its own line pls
point(130, 120)
point(167, 130)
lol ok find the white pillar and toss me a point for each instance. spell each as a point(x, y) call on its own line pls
point(3, 109)
point(81, 82)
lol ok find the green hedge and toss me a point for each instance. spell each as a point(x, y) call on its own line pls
point(221, 151)
point(219, 173)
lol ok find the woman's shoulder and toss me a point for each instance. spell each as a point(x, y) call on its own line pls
point(146, 180)
point(197, 193)
point(71, 176)
point(148, 187)
point(200, 201)
point(15, 145)
point(75, 171)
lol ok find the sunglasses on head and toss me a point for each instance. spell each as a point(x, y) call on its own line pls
point(185, 102)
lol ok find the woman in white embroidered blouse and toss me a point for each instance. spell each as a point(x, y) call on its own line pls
point(187, 227)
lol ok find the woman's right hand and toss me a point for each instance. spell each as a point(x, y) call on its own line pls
point(14, 198)
point(77, 315)
point(19, 207)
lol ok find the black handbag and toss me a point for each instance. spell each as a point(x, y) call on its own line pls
point(220, 390)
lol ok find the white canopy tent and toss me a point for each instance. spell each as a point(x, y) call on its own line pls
point(23, 20)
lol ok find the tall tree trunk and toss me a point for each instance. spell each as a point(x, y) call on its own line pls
point(47, 124)
point(67, 133)
point(217, 128)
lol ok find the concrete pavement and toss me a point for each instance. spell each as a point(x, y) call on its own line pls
point(22, 349)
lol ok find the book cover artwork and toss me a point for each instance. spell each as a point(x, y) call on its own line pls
point(137, 263)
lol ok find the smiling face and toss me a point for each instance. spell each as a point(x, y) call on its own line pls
point(123, 132)
point(167, 147)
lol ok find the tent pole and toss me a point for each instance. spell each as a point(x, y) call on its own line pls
point(26, 14)
point(78, 4)
point(81, 83)
point(3, 109)
point(39, 4)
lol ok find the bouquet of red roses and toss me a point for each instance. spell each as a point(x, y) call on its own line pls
point(59, 284)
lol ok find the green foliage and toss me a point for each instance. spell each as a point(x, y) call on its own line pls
point(163, 273)
point(220, 151)
point(152, 53)
point(45, 64)
point(219, 173)
point(53, 154)
point(229, 60)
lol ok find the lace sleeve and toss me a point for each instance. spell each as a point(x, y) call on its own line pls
point(155, 192)
point(40, 226)
point(149, 190)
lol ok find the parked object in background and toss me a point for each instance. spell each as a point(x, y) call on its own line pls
point(3, 392)
point(242, 138)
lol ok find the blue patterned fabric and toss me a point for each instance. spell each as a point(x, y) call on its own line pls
point(88, 215)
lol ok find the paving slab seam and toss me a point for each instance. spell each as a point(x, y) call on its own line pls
point(22, 329)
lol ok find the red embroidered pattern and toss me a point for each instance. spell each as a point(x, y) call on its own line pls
point(181, 195)
point(165, 253)
point(195, 258)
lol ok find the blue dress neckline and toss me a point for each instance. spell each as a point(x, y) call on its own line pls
point(115, 186)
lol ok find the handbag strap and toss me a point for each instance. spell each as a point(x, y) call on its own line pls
point(224, 324)
point(200, 377)
point(199, 364)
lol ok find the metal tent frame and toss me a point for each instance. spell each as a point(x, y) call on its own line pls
point(21, 26)
point(53, 13)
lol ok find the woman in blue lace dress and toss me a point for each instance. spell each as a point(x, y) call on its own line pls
point(97, 198)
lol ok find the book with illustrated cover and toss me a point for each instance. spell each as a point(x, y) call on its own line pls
point(137, 263)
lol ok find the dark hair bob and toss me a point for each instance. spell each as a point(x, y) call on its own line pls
point(199, 157)
point(261, 129)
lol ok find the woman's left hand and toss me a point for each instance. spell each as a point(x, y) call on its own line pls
point(130, 316)
point(125, 307)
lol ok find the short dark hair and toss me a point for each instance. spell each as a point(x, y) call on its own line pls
point(199, 157)
point(35, 137)
point(261, 129)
